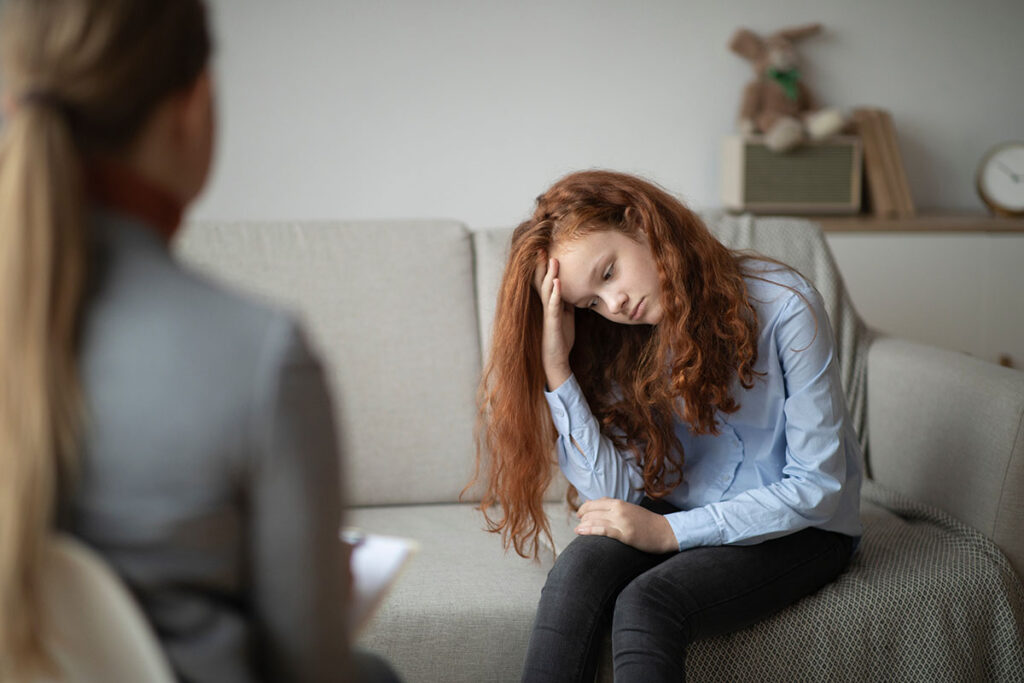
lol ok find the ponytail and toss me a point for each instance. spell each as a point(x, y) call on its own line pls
point(87, 76)
point(42, 271)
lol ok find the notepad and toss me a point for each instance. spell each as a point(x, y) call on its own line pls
point(376, 564)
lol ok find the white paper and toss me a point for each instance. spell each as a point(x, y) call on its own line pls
point(376, 563)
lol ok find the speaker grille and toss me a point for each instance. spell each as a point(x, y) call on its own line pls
point(818, 174)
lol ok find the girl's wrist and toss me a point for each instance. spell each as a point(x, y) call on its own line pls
point(556, 377)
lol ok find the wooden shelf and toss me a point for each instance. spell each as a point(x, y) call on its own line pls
point(935, 222)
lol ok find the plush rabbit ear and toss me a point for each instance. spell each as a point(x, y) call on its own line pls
point(747, 44)
point(796, 33)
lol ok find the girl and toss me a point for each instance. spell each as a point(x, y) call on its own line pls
point(693, 398)
point(182, 431)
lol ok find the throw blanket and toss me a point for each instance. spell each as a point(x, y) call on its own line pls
point(925, 598)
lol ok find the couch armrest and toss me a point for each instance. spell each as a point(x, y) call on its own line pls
point(947, 429)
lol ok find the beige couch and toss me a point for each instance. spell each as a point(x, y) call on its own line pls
point(400, 311)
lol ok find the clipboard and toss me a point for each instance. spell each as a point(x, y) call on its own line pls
point(377, 561)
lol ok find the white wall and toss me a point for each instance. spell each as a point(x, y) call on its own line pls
point(963, 292)
point(469, 108)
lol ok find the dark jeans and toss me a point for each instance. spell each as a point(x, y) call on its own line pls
point(657, 604)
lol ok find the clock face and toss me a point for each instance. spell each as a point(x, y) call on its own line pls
point(1001, 178)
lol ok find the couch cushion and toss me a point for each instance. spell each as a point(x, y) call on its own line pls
point(925, 598)
point(462, 610)
point(390, 306)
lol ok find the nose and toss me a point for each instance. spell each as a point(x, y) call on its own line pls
point(616, 302)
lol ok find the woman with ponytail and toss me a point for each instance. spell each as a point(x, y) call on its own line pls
point(690, 395)
point(180, 430)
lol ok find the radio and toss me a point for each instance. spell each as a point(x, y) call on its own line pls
point(818, 177)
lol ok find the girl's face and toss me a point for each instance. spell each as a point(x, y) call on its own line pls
point(611, 274)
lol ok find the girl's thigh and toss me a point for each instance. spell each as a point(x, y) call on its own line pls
point(709, 591)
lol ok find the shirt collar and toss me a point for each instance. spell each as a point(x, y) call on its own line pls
point(116, 186)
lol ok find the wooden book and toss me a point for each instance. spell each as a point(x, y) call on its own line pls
point(888, 162)
point(901, 188)
point(879, 193)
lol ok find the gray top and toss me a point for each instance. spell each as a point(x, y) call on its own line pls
point(209, 475)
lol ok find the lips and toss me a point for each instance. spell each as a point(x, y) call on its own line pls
point(638, 310)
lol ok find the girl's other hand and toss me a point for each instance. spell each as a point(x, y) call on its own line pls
point(633, 525)
point(559, 324)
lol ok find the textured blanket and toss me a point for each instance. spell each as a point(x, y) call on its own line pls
point(925, 598)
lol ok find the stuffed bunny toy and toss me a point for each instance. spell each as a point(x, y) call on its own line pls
point(777, 103)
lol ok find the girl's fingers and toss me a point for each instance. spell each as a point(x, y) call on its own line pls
point(543, 277)
point(609, 531)
point(540, 277)
point(555, 298)
point(597, 520)
point(598, 504)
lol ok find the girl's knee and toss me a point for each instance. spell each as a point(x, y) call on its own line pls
point(638, 598)
point(591, 564)
point(583, 555)
point(649, 603)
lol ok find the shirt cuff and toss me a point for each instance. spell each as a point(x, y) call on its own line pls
point(694, 528)
point(569, 408)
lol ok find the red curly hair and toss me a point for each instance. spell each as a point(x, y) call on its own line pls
point(707, 338)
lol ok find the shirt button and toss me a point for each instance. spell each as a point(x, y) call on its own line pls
point(560, 413)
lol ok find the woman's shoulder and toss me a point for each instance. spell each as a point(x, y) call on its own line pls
point(143, 298)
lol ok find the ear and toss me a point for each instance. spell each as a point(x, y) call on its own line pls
point(796, 33)
point(194, 105)
point(747, 44)
point(192, 133)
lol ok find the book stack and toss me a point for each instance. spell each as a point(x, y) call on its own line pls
point(888, 191)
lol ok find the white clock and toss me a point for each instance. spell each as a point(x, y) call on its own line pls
point(1000, 179)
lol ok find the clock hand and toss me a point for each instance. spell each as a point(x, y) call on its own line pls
point(1006, 169)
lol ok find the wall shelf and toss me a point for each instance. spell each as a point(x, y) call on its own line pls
point(926, 222)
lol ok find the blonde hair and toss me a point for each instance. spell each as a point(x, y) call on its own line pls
point(84, 76)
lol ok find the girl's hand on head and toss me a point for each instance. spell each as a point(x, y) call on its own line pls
point(559, 324)
point(633, 525)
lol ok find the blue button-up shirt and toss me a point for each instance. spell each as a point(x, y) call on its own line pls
point(787, 460)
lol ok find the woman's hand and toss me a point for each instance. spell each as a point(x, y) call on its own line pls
point(626, 522)
point(559, 324)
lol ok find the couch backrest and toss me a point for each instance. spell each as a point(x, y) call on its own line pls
point(490, 251)
point(401, 314)
point(391, 309)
